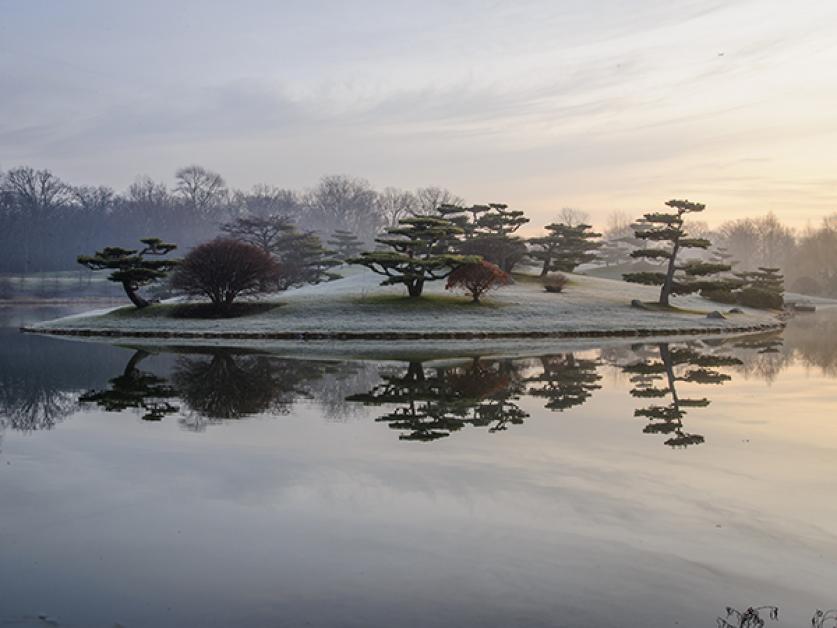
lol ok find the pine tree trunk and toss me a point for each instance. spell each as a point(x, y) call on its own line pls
point(545, 268)
point(665, 292)
point(136, 299)
point(415, 287)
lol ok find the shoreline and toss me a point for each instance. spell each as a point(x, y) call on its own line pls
point(395, 336)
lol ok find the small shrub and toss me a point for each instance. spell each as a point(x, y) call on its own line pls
point(555, 283)
point(224, 270)
point(722, 295)
point(761, 299)
point(477, 278)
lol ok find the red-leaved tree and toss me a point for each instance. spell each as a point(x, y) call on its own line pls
point(224, 269)
point(477, 279)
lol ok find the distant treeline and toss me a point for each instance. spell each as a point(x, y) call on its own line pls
point(45, 222)
point(807, 257)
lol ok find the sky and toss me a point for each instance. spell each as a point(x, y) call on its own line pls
point(599, 105)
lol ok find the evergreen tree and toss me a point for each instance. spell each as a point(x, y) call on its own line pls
point(721, 255)
point(420, 251)
point(303, 259)
point(724, 282)
point(345, 244)
point(488, 231)
point(763, 288)
point(565, 247)
point(131, 267)
point(617, 246)
point(668, 230)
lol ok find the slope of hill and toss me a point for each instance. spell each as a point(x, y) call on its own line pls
point(357, 306)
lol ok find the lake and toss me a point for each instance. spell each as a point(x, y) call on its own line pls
point(632, 484)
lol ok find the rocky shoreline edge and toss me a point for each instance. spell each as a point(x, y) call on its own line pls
point(457, 335)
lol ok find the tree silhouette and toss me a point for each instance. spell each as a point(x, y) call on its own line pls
point(224, 384)
point(135, 388)
point(488, 231)
point(668, 230)
point(566, 381)
point(345, 244)
point(565, 247)
point(133, 268)
point(420, 252)
point(434, 403)
point(676, 364)
point(212, 385)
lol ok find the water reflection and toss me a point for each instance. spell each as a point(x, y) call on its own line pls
point(534, 469)
point(658, 377)
point(42, 382)
point(433, 403)
point(135, 388)
point(565, 381)
point(212, 385)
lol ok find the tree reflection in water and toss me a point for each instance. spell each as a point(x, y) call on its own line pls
point(565, 381)
point(213, 385)
point(138, 389)
point(223, 385)
point(206, 386)
point(435, 402)
point(657, 378)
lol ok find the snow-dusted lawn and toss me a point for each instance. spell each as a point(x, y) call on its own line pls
point(358, 303)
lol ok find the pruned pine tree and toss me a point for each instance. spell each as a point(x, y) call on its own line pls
point(488, 231)
point(763, 288)
point(565, 247)
point(498, 220)
point(304, 259)
point(419, 251)
point(133, 268)
point(345, 244)
point(668, 231)
point(494, 219)
point(721, 255)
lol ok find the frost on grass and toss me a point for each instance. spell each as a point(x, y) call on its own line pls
point(357, 303)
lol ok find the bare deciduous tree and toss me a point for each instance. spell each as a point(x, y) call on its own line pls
point(429, 199)
point(201, 189)
point(266, 200)
point(572, 217)
point(394, 204)
point(343, 202)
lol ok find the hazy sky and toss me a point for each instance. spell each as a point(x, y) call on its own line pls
point(543, 104)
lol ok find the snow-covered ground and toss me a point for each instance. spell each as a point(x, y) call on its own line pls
point(358, 304)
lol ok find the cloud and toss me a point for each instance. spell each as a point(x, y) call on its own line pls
point(549, 104)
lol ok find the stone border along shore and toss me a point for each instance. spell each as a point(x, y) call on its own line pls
point(395, 335)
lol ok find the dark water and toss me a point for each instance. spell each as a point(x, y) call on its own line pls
point(629, 485)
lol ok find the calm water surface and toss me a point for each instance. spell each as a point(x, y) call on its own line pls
point(629, 485)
